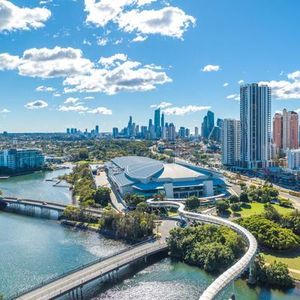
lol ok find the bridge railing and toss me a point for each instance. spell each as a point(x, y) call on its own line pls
point(80, 268)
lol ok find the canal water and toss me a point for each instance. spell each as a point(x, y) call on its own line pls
point(34, 250)
point(35, 186)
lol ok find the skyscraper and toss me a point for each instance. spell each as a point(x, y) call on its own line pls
point(208, 124)
point(277, 131)
point(255, 112)
point(231, 142)
point(171, 132)
point(157, 122)
point(286, 130)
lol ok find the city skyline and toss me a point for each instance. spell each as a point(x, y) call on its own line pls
point(76, 88)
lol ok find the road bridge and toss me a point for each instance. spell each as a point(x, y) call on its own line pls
point(75, 280)
point(14, 202)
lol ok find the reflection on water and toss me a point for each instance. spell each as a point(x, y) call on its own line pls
point(34, 250)
point(34, 186)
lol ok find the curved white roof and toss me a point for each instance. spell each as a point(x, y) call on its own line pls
point(138, 167)
point(143, 169)
point(179, 172)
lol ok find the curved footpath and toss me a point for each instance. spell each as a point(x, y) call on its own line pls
point(234, 271)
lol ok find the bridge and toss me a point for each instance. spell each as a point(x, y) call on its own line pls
point(14, 202)
point(75, 280)
point(234, 271)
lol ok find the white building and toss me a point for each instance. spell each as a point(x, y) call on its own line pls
point(293, 159)
point(21, 159)
point(255, 116)
point(146, 176)
point(231, 142)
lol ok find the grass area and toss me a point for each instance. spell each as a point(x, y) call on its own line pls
point(256, 208)
point(291, 259)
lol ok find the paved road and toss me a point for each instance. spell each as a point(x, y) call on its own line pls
point(77, 279)
point(102, 180)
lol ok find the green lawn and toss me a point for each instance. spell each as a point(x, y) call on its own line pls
point(291, 259)
point(256, 208)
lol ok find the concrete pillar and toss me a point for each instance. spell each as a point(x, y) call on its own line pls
point(252, 279)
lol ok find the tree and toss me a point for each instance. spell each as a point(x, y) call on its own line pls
point(192, 203)
point(244, 197)
point(212, 248)
point(235, 207)
point(234, 199)
point(271, 213)
point(83, 154)
point(270, 234)
point(222, 207)
point(102, 196)
point(275, 274)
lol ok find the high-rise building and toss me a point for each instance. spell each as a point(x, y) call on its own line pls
point(21, 159)
point(97, 129)
point(207, 124)
point(277, 131)
point(171, 132)
point(196, 131)
point(293, 159)
point(157, 122)
point(115, 132)
point(286, 130)
point(181, 132)
point(231, 142)
point(255, 113)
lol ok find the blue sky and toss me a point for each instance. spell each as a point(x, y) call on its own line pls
point(67, 63)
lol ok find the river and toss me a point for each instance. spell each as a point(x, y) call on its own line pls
point(34, 186)
point(35, 249)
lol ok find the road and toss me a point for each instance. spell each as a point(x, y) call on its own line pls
point(116, 201)
point(106, 266)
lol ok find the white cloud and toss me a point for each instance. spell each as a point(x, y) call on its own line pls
point(162, 104)
point(86, 42)
point(285, 89)
point(225, 84)
point(114, 74)
point(45, 89)
point(44, 2)
point(100, 13)
point(241, 81)
point(47, 63)
point(56, 95)
point(8, 62)
point(113, 60)
point(183, 110)
point(100, 111)
point(117, 76)
point(102, 41)
point(211, 68)
point(74, 108)
point(144, 2)
point(5, 111)
point(139, 38)
point(234, 97)
point(14, 18)
point(89, 98)
point(167, 21)
point(37, 104)
point(71, 100)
